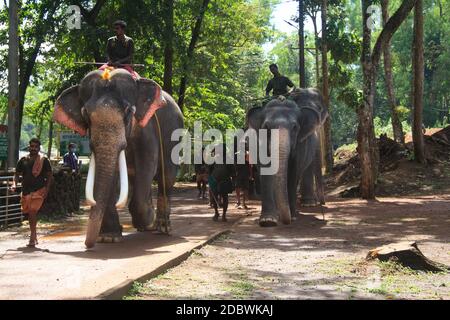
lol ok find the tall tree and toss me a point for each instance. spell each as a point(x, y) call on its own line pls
point(370, 59)
point(325, 90)
point(312, 8)
point(190, 52)
point(168, 45)
point(13, 85)
point(90, 16)
point(418, 81)
point(301, 43)
point(395, 119)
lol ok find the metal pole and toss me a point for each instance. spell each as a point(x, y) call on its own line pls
point(301, 44)
point(13, 84)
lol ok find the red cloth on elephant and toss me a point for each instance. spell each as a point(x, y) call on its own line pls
point(127, 67)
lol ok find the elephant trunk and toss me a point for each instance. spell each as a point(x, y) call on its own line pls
point(99, 186)
point(281, 181)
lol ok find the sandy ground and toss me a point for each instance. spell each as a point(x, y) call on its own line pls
point(310, 259)
point(316, 259)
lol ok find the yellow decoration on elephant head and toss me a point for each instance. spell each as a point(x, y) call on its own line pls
point(106, 75)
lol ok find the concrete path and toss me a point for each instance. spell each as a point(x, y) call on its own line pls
point(61, 268)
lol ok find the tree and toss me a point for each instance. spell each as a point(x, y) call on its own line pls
point(301, 43)
point(168, 45)
point(325, 89)
point(13, 83)
point(396, 123)
point(370, 59)
point(190, 51)
point(418, 80)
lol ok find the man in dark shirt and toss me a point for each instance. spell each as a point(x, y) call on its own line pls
point(120, 48)
point(242, 181)
point(70, 158)
point(37, 177)
point(279, 83)
point(220, 184)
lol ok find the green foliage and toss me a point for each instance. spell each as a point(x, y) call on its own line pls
point(229, 68)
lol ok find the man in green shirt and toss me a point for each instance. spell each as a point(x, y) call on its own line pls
point(278, 84)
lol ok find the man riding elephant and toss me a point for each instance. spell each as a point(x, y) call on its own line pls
point(120, 50)
point(278, 84)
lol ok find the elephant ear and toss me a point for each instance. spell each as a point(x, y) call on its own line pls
point(254, 118)
point(68, 110)
point(150, 98)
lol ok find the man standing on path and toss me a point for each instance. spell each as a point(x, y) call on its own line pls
point(36, 172)
point(278, 84)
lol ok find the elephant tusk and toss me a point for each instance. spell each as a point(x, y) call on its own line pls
point(90, 182)
point(123, 197)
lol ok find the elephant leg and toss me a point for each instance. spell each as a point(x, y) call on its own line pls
point(141, 204)
point(165, 185)
point(269, 215)
point(292, 187)
point(111, 230)
point(308, 198)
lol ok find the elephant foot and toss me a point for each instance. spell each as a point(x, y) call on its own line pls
point(295, 216)
point(111, 237)
point(268, 221)
point(163, 225)
point(150, 227)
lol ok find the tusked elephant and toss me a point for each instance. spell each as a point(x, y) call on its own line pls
point(298, 122)
point(122, 117)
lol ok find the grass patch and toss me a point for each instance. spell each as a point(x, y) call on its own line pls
point(241, 289)
point(222, 237)
point(393, 268)
point(136, 290)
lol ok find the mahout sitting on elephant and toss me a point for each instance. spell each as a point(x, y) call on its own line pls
point(129, 123)
point(298, 121)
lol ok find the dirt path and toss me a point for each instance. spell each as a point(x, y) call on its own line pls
point(313, 259)
point(60, 267)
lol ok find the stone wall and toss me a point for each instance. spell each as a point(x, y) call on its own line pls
point(65, 192)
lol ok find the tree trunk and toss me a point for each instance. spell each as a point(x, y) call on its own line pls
point(367, 147)
point(301, 44)
point(26, 64)
point(325, 91)
point(366, 134)
point(188, 59)
point(316, 49)
point(13, 85)
point(396, 123)
point(407, 254)
point(418, 79)
point(168, 49)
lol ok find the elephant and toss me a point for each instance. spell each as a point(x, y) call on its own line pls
point(299, 120)
point(129, 123)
